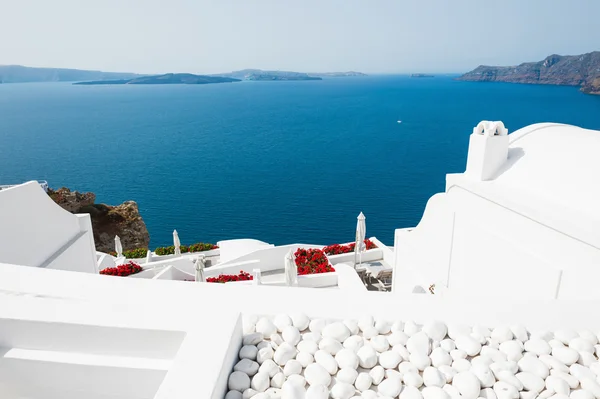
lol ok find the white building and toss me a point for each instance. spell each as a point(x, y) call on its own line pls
point(524, 219)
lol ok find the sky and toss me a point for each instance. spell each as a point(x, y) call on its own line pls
point(371, 36)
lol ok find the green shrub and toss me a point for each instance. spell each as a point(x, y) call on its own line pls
point(136, 253)
point(198, 247)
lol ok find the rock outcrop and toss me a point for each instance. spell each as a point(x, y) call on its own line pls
point(572, 70)
point(107, 221)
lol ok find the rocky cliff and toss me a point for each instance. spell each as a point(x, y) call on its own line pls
point(572, 70)
point(107, 221)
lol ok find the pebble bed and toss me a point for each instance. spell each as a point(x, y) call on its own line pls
point(295, 357)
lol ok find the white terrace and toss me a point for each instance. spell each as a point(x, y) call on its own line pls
point(513, 241)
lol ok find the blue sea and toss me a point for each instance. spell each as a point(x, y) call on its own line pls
point(282, 162)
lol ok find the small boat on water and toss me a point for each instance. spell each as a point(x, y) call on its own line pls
point(399, 121)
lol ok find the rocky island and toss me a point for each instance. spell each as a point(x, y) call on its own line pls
point(169, 78)
point(258, 74)
point(336, 74)
point(571, 70)
point(421, 75)
point(23, 74)
point(107, 221)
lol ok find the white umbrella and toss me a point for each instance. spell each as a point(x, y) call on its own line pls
point(256, 277)
point(361, 233)
point(199, 265)
point(118, 247)
point(176, 243)
point(291, 271)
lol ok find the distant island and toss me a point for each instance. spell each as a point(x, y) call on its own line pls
point(22, 74)
point(169, 78)
point(336, 74)
point(258, 74)
point(421, 75)
point(571, 70)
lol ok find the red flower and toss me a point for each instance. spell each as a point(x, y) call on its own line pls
point(225, 278)
point(122, 270)
point(337, 249)
point(312, 261)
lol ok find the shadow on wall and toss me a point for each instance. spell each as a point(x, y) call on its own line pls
point(514, 154)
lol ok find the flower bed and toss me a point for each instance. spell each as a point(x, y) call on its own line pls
point(312, 261)
point(197, 247)
point(225, 278)
point(122, 270)
point(337, 249)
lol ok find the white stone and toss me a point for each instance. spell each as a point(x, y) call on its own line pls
point(565, 336)
point(447, 345)
point(487, 393)
point(558, 385)
point(316, 374)
point(581, 394)
point(484, 374)
point(481, 361)
point(492, 343)
point(238, 381)
point(587, 359)
point(342, 390)
point(528, 395)
point(308, 346)
point(545, 394)
point(234, 395)
point(595, 367)
point(264, 354)
point(512, 349)
point(263, 344)
point(413, 379)
point(420, 360)
point(397, 325)
point(571, 380)
point(281, 321)
point(580, 372)
point(291, 335)
point(260, 381)
point(278, 380)
point(249, 393)
point(434, 393)
point(590, 385)
point(458, 354)
point(566, 355)
point(352, 326)
point(534, 365)
point(404, 353)
point(317, 325)
point(266, 327)
point(347, 358)
point(354, 342)
point(276, 338)
point(436, 330)
point(390, 373)
point(291, 390)
point(448, 372)
point(312, 336)
point(389, 359)
point(519, 332)
point(248, 352)
point(317, 392)
point(252, 339)
point(367, 357)
point(380, 343)
point(300, 321)
point(410, 392)
point(390, 387)
point(538, 346)
point(456, 330)
point(531, 381)
point(292, 367)
point(554, 363)
point(419, 343)
point(273, 393)
point(284, 353)
point(541, 334)
point(467, 384)
point(410, 328)
point(249, 320)
point(509, 378)
point(365, 322)
point(327, 361)
point(440, 357)
point(269, 367)
point(469, 345)
point(555, 343)
point(297, 380)
point(581, 345)
point(383, 326)
point(370, 332)
point(589, 335)
point(337, 331)
point(461, 365)
point(504, 390)
point(377, 373)
point(432, 377)
point(407, 367)
point(347, 374)
point(369, 394)
point(305, 358)
point(330, 345)
point(397, 338)
point(247, 366)
point(501, 334)
point(507, 365)
point(363, 381)
point(452, 391)
point(479, 338)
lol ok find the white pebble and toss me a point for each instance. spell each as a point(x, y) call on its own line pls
point(312, 336)
point(352, 326)
point(413, 379)
point(591, 386)
point(401, 349)
point(419, 343)
point(432, 377)
point(589, 335)
point(354, 342)
point(409, 392)
point(260, 381)
point(342, 390)
point(469, 345)
point(554, 363)
point(538, 346)
point(273, 393)
point(266, 327)
point(347, 374)
point(264, 354)
point(456, 330)
point(291, 390)
point(269, 367)
point(291, 335)
point(330, 345)
point(507, 365)
point(448, 372)
point(377, 373)
point(277, 380)
point(565, 336)
point(487, 393)
point(315, 374)
point(493, 353)
point(276, 338)
point(252, 339)
point(370, 332)
point(461, 365)
point(485, 375)
point(434, 393)
point(458, 354)
point(248, 352)
point(281, 321)
point(481, 361)
point(300, 321)
point(566, 355)
point(571, 380)
point(407, 367)
point(501, 334)
point(363, 381)
point(389, 359)
point(297, 380)
point(581, 345)
point(513, 349)
point(440, 357)
point(555, 343)
point(397, 338)
point(383, 326)
point(308, 346)
point(390, 387)
point(369, 395)
point(305, 358)
point(581, 394)
point(327, 361)
point(533, 365)
point(238, 381)
point(365, 322)
point(587, 359)
point(380, 343)
point(263, 344)
point(504, 390)
point(337, 331)
point(436, 330)
point(317, 392)
point(467, 384)
point(531, 381)
point(509, 378)
point(347, 358)
point(580, 372)
point(367, 357)
point(447, 345)
point(519, 333)
point(292, 367)
point(410, 328)
point(558, 385)
point(234, 395)
point(452, 391)
point(420, 360)
point(317, 325)
point(249, 393)
point(389, 373)
point(247, 366)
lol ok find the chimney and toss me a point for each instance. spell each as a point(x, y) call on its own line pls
point(488, 150)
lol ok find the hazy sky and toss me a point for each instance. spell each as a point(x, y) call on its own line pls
point(374, 36)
